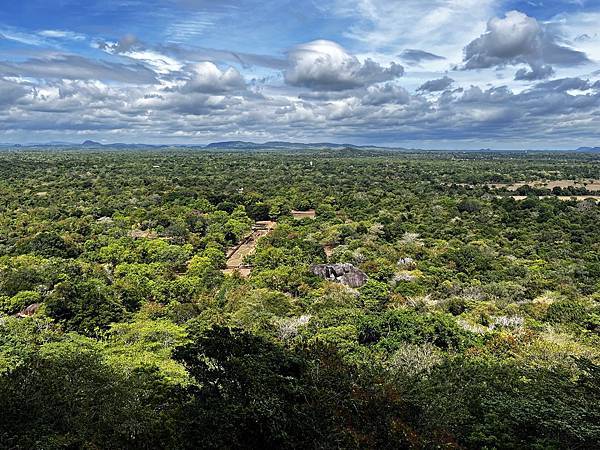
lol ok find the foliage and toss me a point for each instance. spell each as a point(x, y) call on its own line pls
point(478, 327)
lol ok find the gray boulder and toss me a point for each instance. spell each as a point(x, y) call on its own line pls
point(345, 274)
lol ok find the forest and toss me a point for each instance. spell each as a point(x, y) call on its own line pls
point(471, 321)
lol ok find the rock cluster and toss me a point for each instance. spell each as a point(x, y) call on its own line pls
point(345, 274)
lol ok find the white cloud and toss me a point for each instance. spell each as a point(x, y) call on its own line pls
point(537, 72)
point(325, 65)
point(62, 34)
point(161, 64)
point(436, 85)
point(582, 29)
point(22, 38)
point(321, 90)
point(520, 39)
point(208, 78)
point(386, 94)
point(440, 27)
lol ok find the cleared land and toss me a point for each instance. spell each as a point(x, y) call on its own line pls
point(308, 214)
point(236, 255)
point(590, 185)
point(328, 250)
point(564, 198)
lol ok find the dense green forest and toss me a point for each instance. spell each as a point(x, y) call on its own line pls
point(478, 327)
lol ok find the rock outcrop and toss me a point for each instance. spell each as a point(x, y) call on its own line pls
point(345, 274)
point(30, 310)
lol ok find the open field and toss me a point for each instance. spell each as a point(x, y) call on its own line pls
point(590, 185)
point(564, 198)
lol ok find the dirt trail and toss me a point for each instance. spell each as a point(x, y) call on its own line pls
point(236, 255)
point(329, 250)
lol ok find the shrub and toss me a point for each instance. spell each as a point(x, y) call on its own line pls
point(391, 330)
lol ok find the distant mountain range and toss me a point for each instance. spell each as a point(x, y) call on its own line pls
point(226, 145)
point(588, 149)
point(245, 145)
point(94, 144)
point(284, 145)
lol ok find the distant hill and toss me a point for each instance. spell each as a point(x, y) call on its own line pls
point(94, 144)
point(241, 145)
point(91, 144)
point(225, 145)
point(233, 144)
point(257, 146)
point(588, 149)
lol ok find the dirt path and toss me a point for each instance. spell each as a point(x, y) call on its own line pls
point(328, 250)
point(236, 255)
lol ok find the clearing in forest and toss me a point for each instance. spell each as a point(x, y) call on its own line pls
point(564, 198)
point(590, 185)
point(308, 214)
point(236, 255)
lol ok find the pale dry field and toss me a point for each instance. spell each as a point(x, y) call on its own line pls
point(564, 198)
point(309, 214)
point(590, 185)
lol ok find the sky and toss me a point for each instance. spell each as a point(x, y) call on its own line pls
point(436, 74)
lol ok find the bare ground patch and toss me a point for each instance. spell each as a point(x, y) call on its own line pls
point(237, 254)
point(590, 185)
point(564, 198)
point(308, 214)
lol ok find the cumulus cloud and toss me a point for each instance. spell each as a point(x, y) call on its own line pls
point(197, 104)
point(441, 84)
point(385, 112)
point(349, 98)
point(565, 84)
point(537, 72)
point(413, 56)
point(386, 94)
point(64, 66)
point(520, 39)
point(208, 78)
point(327, 66)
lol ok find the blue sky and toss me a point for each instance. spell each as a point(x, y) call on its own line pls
point(414, 73)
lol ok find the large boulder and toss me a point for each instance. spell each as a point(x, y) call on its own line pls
point(345, 274)
point(30, 310)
